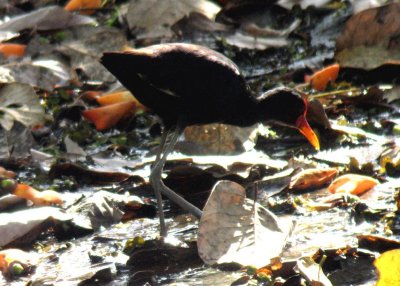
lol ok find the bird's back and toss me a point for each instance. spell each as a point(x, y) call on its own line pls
point(182, 81)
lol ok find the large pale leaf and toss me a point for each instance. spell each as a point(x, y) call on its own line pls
point(154, 18)
point(235, 229)
point(358, 49)
point(19, 102)
point(25, 225)
point(44, 19)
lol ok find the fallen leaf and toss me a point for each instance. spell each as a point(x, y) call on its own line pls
point(6, 173)
point(368, 50)
point(38, 198)
point(388, 268)
point(19, 102)
point(320, 79)
point(11, 259)
point(235, 229)
point(246, 41)
point(376, 243)
point(312, 272)
point(9, 50)
point(23, 227)
point(312, 178)
point(216, 139)
point(85, 6)
point(108, 116)
point(84, 175)
point(120, 96)
point(288, 4)
point(352, 184)
point(153, 18)
point(104, 208)
point(44, 19)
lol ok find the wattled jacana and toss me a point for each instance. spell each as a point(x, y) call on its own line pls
point(188, 84)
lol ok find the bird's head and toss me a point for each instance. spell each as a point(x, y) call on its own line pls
point(288, 107)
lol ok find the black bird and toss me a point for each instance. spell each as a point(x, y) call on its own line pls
point(188, 84)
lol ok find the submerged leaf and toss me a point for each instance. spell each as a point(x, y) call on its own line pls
point(236, 229)
point(19, 102)
point(352, 184)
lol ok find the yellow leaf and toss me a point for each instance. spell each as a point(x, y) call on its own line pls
point(388, 268)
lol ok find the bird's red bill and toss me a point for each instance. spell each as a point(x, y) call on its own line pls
point(306, 130)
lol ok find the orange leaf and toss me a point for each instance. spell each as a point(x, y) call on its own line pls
point(119, 96)
point(320, 79)
point(24, 191)
point(115, 97)
point(15, 50)
point(84, 5)
point(352, 184)
point(388, 268)
point(6, 174)
point(107, 116)
point(46, 198)
point(38, 198)
point(91, 94)
point(8, 257)
point(311, 178)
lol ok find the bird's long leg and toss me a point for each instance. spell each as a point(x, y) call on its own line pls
point(159, 187)
point(164, 137)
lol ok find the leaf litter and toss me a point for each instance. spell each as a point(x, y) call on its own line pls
point(356, 121)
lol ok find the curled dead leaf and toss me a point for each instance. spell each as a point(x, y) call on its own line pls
point(107, 116)
point(311, 178)
point(352, 184)
point(119, 96)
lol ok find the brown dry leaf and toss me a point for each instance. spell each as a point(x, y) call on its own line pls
point(311, 178)
point(352, 184)
point(388, 268)
point(153, 18)
point(235, 229)
point(84, 175)
point(356, 48)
